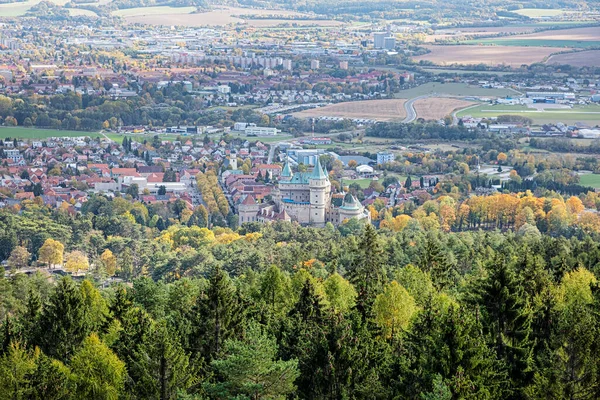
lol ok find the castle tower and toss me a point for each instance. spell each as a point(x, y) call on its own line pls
point(320, 189)
point(286, 173)
point(248, 209)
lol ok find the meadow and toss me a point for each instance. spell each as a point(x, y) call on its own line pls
point(592, 180)
point(453, 89)
point(583, 114)
point(35, 133)
point(539, 12)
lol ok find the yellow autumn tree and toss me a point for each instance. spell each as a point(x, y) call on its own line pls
point(51, 252)
point(109, 262)
point(77, 261)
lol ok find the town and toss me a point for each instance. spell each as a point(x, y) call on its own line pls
point(206, 200)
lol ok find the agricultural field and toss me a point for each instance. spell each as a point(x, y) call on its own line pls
point(35, 133)
point(434, 108)
point(592, 180)
point(221, 16)
point(489, 55)
point(453, 89)
point(588, 58)
point(456, 71)
point(379, 110)
point(149, 11)
point(574, 38)
point(589, 115)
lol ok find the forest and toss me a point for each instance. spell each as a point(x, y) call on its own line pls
point(427, 306)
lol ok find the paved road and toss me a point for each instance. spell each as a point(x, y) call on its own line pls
point(455, 118)
point(409, 107)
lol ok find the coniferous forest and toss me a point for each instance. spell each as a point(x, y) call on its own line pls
point(280, 311)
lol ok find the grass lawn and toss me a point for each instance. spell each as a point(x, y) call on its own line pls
point(75, 12)
point(538, 12)
point(453, 89)
point(535, 42)
point(158, 10)
point(35, 133)
point(585, 114)
point(363, 183)
point(592, 180)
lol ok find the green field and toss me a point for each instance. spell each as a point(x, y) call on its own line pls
point(585, 114)
point(21, 8)
point(452, 89)
point(534, 43)
point(158, 10)
point(538, 12)
point(76, 12)
point(34, 133)
point(592, 180)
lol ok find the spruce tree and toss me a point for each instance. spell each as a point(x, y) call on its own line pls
point(217, 316)
point(507, 321)
point(367, 272)
point(63, 324)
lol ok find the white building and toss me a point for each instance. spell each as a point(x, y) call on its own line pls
point(240, 126)
point(389, 43)
point(224, 89)
point(287, 64)
point(379, 39)
point(343, 64)
point(315, 64)
point(384, 157)
point(260, 131)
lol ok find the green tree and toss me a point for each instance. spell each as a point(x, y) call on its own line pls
point(367, 272)
point(507, 320)
point(16, 366)
point(274, 288)
point(393, 309)
point(250, 368)
point(97, 371)
point(63, 323)
point(341, 295)
point(217, 316)
point(161, 366)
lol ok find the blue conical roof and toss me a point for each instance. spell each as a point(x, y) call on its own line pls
point(317, 172)
point(287, 171)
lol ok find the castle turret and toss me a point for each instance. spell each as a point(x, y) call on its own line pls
point(320, 190)
point(286, 173)
point(248, 209)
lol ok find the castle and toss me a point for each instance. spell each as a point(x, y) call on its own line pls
point(304, 197)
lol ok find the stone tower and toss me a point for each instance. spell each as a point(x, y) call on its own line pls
point(320, 191)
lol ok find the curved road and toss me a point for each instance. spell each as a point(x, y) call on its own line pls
point(409, 107)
